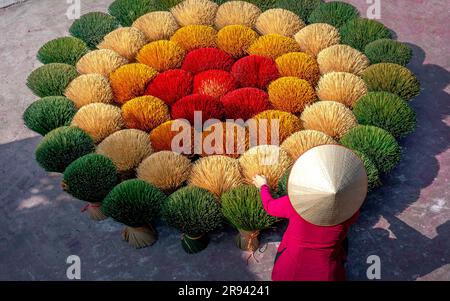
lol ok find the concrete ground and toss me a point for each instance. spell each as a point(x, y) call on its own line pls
point(405, 223)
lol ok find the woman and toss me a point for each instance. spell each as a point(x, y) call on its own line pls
point(326, 188)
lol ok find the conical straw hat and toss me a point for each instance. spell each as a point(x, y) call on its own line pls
point(327, 185)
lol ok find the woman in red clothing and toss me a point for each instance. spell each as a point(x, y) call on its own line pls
point(326, 188)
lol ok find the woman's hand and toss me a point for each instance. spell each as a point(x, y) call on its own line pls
point(259, 181)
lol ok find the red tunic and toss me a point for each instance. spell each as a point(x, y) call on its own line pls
point(307, 252)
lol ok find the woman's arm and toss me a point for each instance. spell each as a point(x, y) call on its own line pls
point(276, 207)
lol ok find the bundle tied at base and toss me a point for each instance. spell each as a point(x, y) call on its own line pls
point(92, 209)
point(243, 209)
point(90, 178)
point(136, 204)
point(194, 211)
